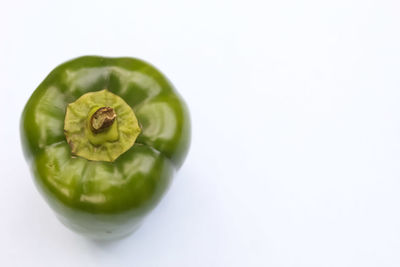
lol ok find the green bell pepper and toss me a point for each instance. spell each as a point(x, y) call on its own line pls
point(103, 137)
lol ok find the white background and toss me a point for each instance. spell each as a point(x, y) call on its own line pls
point(295, 156)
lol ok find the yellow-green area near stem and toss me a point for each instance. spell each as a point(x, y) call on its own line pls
point(109, 144)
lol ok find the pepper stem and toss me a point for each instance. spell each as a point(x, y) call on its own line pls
point(102, 119)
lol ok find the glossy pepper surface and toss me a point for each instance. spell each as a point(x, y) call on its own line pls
point(103, 137)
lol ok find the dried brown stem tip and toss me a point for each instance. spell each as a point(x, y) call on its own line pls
point(102, 119)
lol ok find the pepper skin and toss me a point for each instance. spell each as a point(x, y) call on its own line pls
point(100, 199)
